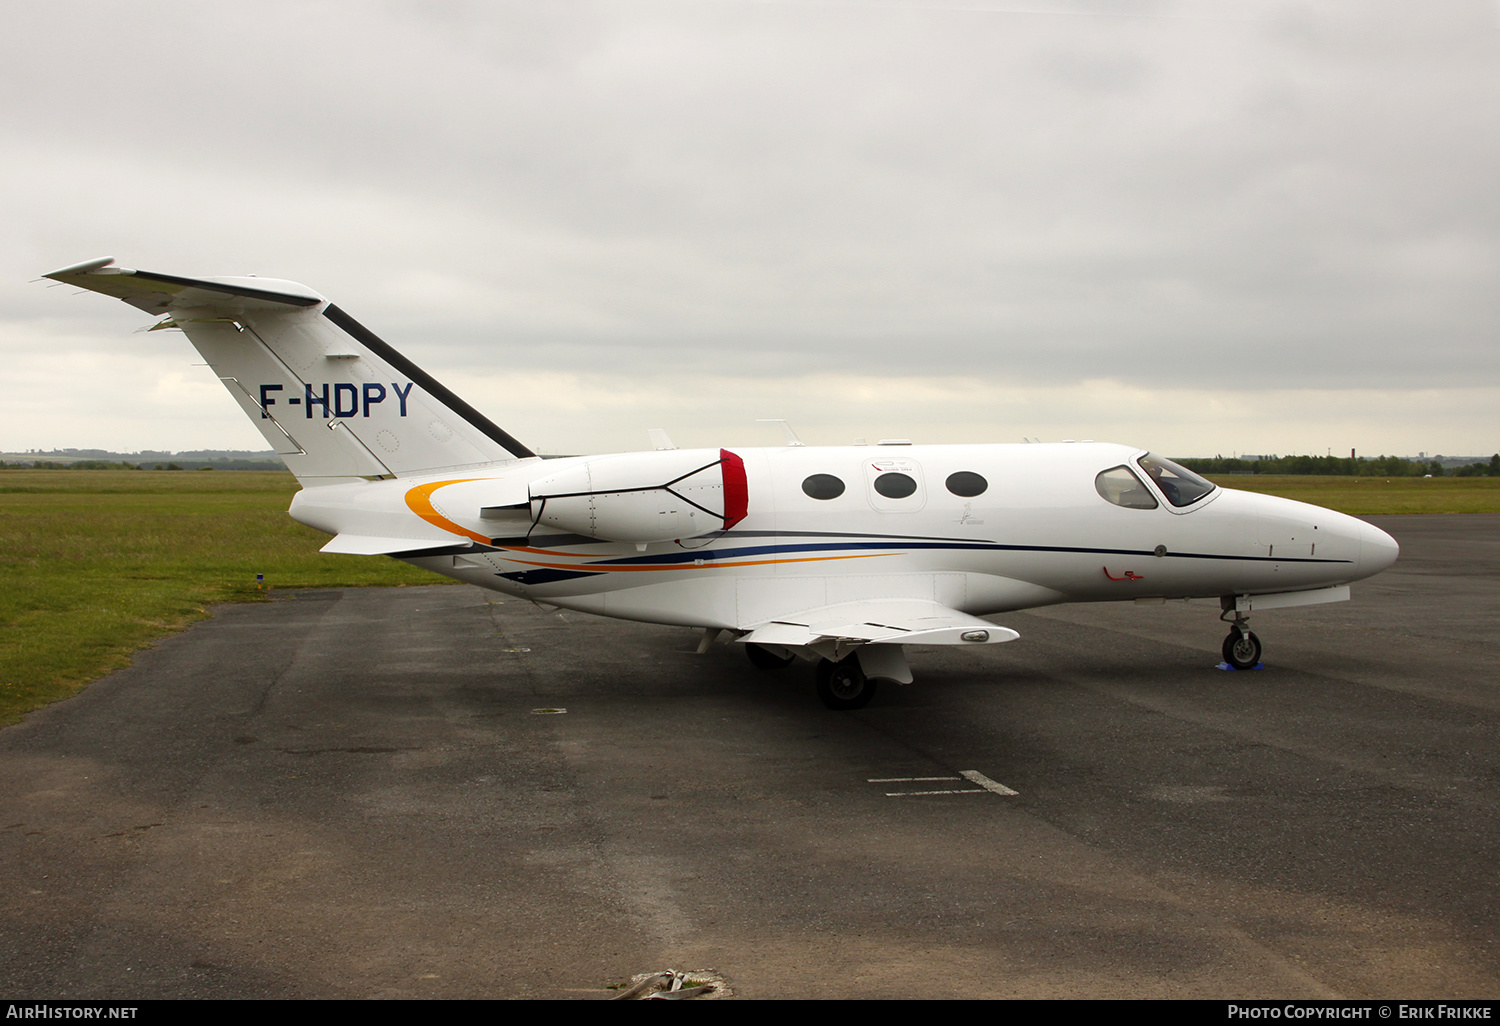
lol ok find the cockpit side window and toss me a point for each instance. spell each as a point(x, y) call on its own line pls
point(1180, 485)
point(1120, 486)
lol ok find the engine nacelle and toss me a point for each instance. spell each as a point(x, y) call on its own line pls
point(645, 496)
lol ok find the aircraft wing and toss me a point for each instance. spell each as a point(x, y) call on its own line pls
point(880, 621)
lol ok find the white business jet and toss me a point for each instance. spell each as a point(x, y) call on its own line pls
point(840, 555)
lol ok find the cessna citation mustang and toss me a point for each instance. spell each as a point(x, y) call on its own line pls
point(841, 555)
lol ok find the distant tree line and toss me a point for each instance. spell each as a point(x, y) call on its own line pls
point(1336, 466)
point(125, 465)
point(1339, 466)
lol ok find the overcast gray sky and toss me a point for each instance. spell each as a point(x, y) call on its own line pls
point(1198, 226)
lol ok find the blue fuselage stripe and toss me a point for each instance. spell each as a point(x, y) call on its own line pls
point(706, 554)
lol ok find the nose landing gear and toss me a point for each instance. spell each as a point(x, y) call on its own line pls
point(1241, 648)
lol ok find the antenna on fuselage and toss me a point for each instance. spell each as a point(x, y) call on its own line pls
point(791, 436)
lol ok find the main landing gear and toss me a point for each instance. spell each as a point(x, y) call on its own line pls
point(843, 684)
point(847, 683)
point(1241, 648)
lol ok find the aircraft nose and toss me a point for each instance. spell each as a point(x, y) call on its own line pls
point(1377, 549)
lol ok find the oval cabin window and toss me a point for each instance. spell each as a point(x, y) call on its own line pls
point(967, 484)
point(894, 485)
point(823, 486)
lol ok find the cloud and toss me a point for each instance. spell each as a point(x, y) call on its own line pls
point(1192, 200)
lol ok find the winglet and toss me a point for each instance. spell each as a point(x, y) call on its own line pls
point(83, 268)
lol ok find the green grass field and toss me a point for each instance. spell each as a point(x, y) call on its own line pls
point(95, 564)
point(1370, 496)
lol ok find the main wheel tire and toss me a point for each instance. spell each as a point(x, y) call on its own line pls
point(764, 659)
point(1242, 651)
point(843, 685)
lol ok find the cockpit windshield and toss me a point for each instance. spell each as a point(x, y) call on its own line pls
point(1180, 485)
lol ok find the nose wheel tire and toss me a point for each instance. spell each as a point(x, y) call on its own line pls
point(763, 658)
point(843, 685)
point(1242, 651)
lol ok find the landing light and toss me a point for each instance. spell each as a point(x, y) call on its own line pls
point(975, 635)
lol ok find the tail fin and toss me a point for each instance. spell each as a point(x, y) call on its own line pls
point(330, 397)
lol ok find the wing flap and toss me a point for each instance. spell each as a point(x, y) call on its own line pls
point(880, 621)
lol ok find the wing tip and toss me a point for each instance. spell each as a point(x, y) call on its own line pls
point(82, 268)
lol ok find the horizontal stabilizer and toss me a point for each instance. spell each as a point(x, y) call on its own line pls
point(365, 545)
point(161, 293)
point(887, 621)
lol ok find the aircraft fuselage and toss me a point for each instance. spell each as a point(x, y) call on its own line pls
point(1037, 532)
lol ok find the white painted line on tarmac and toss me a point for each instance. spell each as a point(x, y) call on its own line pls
point(986, 783)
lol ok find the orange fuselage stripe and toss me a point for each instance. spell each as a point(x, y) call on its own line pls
point(705, 565)
point(419, 501)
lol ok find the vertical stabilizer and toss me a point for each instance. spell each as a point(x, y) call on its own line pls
point(333, 399)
